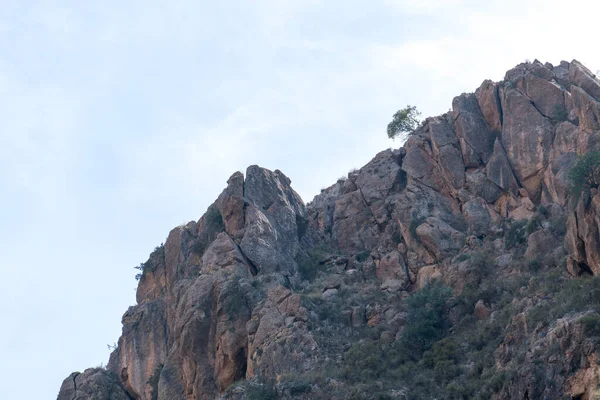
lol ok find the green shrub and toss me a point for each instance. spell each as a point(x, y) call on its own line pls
point(414, 224)
point(560, 112)
point(153, 381)
point(234, 301)
point(363, 255)
point(558, 224)
point(261, 391)
point(462, 257)
point(591, 324)
point(156, 258)
point(213, 225)
point(426, 321)
point(308, 267)
point(481, 263)
point(585, 174)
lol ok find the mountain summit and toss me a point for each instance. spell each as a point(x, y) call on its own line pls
point(458, 266)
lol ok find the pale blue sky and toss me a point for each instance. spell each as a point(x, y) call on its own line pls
point(122, 120)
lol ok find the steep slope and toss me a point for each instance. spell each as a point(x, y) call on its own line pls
point(453, 267)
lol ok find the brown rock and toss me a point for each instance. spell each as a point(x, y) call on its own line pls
point(477, 215)
point(499, 170)
point(446, 150)
point(489, 103)
point(527, 138)
point(547, 97)
point(481, 311)
point(471, 127)
point(583, 77)
point(92, 384)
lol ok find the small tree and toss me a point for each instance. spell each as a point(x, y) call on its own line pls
point(405, 121)
point(585, 174)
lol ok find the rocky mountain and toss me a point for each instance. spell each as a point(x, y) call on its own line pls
point(458, 266)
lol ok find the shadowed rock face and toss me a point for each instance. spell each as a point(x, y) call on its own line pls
point(221, 301)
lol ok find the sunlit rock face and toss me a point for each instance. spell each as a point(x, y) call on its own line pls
point(252, 289)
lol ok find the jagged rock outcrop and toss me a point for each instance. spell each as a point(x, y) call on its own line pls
point(92, 384)
point(255, 289)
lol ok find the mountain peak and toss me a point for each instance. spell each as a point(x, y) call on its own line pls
point(457, 260)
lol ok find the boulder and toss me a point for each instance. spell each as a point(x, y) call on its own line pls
point(477, 215)
point(472, 128)
point(527, 137)
point(440, 238)
point(583, 77)
point(92, 384)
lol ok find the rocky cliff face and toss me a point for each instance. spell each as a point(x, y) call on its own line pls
point(266, 297)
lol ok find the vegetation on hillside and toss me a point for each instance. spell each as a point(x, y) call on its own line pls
point(585, 174)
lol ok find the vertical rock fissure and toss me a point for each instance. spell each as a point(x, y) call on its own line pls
point(75, 386)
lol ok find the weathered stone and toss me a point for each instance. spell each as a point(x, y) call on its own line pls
point(446, 149)
point(231, 206)
point(92, 384)
point(541, 244)
point(419, 164)
point(224, 253)
point(587, 109)
point(561, 74)
point(232, 296)
point(471, 126)
point(527, 137)
point(379, 177)
point(582, 240)
point(565, 139)
point(481, 311)
point(499, 171)
point(141, 347)
point(480, 186)
point(556, 177)
point(428, 275)
point(354, 227)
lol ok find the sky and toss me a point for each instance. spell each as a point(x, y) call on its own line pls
point(120, 120)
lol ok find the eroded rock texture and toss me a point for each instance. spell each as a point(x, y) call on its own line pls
point(227, 298)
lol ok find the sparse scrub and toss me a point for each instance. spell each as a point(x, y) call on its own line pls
point(591, 324)
point(585, 174)
point(213, 225)
point(153, 381)
point(516, 234)
point(261, 390)
point(156, 258)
